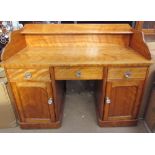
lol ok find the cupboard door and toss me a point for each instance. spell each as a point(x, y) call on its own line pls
point(34, 101)
point(122, 100)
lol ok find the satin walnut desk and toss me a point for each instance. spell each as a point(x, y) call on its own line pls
point(40, 57)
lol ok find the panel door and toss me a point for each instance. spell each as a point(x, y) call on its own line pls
point(34, 101)
point(122, 99)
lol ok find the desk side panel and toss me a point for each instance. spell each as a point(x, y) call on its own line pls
point(137, 42)
point(17, 42)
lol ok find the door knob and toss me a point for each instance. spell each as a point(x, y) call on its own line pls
point(107, 100)
point(50, 101)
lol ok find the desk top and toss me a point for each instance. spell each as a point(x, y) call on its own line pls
point(44, 45)
point(110, 55)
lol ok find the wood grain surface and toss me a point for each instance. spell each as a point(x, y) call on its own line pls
point(76, 28)
point(119, 73)
point(76, 40)
point(125, 99)
point(110, 55)
point(137, 42)
point(71, 73)
point(32, 101)
point(37, 74)
point(16, 43)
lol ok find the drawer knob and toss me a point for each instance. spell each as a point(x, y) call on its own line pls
point(27, 75)
point(78, 73)
point(50, 101)
point(127, 74)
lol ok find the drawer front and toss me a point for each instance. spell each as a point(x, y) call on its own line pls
point(78, 73)
point(28, 75)
point(127, 73)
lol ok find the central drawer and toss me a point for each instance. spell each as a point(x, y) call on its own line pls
point(78, 73)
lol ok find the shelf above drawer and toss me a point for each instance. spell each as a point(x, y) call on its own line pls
point(78, 73)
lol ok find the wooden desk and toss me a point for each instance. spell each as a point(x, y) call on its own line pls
point(40, 57)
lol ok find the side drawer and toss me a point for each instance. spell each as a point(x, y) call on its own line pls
point(28, 74)
point(78, 73)
point(127, 73)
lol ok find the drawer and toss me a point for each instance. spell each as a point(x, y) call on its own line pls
point(78, 73)
point(28, 74)
point(127, 73)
